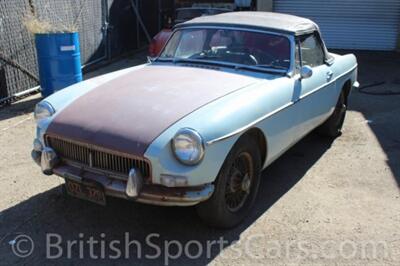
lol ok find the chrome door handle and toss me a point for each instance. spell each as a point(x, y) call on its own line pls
point(329, 75)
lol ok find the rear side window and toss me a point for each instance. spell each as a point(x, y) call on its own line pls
point(312, 53)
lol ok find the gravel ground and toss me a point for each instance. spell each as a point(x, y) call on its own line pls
point(322, 203)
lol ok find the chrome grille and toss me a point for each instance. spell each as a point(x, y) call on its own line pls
point(98, 158)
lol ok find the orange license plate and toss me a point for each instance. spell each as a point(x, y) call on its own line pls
point(87, 191)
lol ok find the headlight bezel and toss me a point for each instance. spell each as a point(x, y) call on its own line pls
point(196, 138)
point(43, 110)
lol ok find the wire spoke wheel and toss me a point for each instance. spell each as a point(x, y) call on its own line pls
point(236, 186)
point(239, 182)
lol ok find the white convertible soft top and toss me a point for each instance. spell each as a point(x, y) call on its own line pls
point(265, 20)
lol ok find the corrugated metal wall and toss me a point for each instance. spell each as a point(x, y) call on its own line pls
point(350, 24)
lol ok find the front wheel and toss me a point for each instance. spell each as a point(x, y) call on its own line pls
point(236, 186)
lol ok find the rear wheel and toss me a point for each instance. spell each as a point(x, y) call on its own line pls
point(333, 126)
point(236, 186)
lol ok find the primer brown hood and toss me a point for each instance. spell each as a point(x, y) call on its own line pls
point(129, 112)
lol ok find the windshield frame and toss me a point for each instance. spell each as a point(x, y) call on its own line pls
point(291, 38)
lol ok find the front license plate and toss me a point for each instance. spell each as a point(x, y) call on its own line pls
point(87, 191)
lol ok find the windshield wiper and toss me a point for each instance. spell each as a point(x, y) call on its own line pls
point(176, 60)
point(206, 57)
point(184, 60)
point(163, 59)
point(259, 68)
point(272, 66)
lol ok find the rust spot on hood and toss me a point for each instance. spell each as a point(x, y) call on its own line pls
point(129, 112)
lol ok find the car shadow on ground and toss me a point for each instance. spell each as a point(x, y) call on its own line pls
point(123, 221)
point(379, 73)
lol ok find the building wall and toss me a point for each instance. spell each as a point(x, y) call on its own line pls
point(375, 25)
point(265, 5)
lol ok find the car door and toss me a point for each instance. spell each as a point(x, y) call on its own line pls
point(315, 95)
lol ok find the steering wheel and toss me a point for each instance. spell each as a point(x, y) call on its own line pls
point(245, 56)
point(252, 59)
point(267, 58)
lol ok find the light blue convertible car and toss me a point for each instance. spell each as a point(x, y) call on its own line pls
point(225, 98)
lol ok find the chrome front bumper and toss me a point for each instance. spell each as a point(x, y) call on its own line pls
point(130, 188)
point(149, 193)
point(36, 156)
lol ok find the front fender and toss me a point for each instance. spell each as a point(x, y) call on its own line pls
point(163, 161)
point(224, 120)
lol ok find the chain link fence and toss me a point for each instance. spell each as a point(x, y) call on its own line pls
point(16, 50)
point(87, 16)
point(18, 63)
point(108, 29)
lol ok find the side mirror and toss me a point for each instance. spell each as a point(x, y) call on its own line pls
point(306, 72)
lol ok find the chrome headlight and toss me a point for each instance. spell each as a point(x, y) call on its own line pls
point(43, 110)
point(188, 146)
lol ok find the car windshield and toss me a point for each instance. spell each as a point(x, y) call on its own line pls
point(239, 47)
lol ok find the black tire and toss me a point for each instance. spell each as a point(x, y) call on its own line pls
point(332, 127)
point(63, 190)
point(235, 191)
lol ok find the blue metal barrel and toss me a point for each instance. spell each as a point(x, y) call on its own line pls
point(59, 61)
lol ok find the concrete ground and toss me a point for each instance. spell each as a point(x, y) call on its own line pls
point(322, 203)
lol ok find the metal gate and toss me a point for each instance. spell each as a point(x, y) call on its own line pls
point(350, 24)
